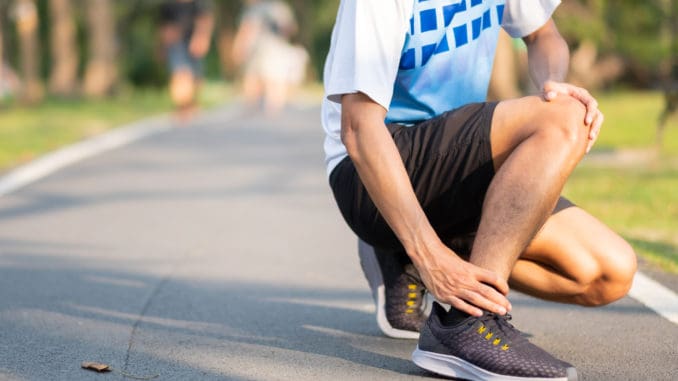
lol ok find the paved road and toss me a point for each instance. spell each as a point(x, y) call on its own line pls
point(215, 252)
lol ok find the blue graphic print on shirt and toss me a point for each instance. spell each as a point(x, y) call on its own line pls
point(447, 58)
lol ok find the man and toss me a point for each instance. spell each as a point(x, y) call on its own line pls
point(186, 30)
point(271, 64)
point(467, 200)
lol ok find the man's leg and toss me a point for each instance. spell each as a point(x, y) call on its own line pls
point(535, 147)
point(575, 259)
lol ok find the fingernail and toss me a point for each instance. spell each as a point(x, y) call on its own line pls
point(551, 94)
point(502, 311)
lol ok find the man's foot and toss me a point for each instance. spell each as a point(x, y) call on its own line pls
point(486, 348)
point(397, 290)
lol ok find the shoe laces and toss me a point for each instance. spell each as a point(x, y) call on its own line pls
point(497, 330)
point(415, 293)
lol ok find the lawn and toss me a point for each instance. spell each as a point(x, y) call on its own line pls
point(27, 132)
point(631, 122)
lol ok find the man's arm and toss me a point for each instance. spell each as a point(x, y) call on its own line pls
point(379, 165)
point(202, 34)
point(548, 60)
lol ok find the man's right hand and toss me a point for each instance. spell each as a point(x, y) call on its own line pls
point(464, 286)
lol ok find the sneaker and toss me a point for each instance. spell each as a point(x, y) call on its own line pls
point(397, 290)
point(484, 348)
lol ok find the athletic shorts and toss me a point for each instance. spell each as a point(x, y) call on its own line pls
point(449, 162)
point(179, 58)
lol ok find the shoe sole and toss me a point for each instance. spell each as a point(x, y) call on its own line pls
point(455, 367)
point(370, 265)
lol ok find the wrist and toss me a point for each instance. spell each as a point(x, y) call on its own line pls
point(424, 248)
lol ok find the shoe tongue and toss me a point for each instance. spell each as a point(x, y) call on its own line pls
point(454, 317)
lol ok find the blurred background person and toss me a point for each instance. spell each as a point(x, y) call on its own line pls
point(186, 30)
point(270, 64)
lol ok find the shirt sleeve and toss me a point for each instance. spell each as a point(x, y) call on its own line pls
point(524, 17)
point(367, 42)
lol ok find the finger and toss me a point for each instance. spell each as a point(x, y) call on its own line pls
point(596, 125)
point(461, 305)
point(595, 130)
point(591, 109)
point(491, 300)
point(551, 95)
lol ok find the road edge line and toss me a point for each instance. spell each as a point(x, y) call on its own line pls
point(655, 296)
point(52, 162)
point(71, 154)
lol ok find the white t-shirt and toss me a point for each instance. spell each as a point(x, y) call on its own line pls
point(417, 58)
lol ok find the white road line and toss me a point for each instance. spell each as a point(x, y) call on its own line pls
point(52, 162)
point(655, 296)
point(645, 290)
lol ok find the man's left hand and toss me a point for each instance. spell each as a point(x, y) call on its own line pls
point(594, 117)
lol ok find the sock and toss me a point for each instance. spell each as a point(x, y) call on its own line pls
point(453, 317)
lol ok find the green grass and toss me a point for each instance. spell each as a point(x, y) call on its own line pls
point(631, 122)
point(30, 131)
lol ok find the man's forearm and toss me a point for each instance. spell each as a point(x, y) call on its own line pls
point(381, 169)
point(548, 55)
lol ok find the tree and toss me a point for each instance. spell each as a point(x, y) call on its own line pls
point(26, 16)
point(671, 73)
point(101, 72)
point(64, 71)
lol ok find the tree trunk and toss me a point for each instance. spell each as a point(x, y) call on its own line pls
point(671, 76)
point(3, 85)
point(29, 51)
point(101, 72)
point(63, 78)
point(226, 13)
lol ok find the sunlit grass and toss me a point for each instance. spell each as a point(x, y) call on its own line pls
point(631, 121)
point(30, 131)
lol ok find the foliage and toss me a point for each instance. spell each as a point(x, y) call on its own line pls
point(636, 31)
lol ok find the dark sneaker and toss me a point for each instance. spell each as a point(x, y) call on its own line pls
point(397, 290)
point(485, 348)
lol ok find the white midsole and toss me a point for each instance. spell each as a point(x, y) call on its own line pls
point(452, 366)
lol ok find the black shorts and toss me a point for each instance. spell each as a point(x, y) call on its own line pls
point(449, 162)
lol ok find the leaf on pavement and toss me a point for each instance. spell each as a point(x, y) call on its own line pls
point(95, 366)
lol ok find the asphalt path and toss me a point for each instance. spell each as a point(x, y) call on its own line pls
point(214, 251)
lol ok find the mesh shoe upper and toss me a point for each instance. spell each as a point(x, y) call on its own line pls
point(397, 290)
point(404, 299)
point(491, 343)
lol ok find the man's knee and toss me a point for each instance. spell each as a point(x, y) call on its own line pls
point(563, 119)
point(609, 281)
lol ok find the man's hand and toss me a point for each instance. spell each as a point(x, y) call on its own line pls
point(466, 287)
point(594, 117)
